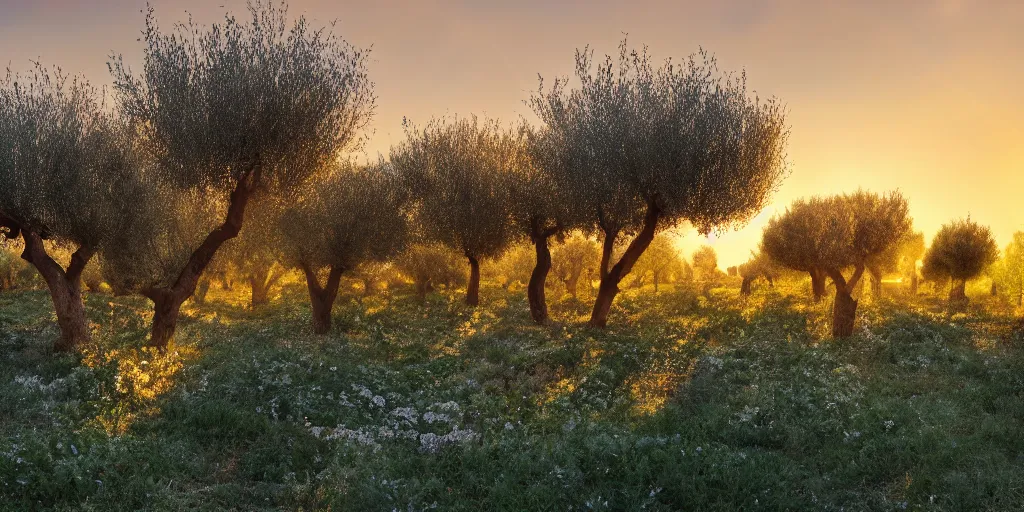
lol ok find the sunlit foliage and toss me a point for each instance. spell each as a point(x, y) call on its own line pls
point(1009, 270)
point(660, 263)
point(64, 164)
point(356, 215)
point(459, 170)
point(837, 234)
point(574, 258)
point(431, 264)
point(960, 251)
point(759, 266)
point(639, 148)
point(237, 107)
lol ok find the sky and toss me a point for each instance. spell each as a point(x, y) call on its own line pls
point(921, 96)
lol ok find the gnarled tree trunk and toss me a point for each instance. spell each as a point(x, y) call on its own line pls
point(611, 278)
point(65, 288)
point(535, 289)
point(262, 279)
point(958, 291)
point(167, 300)
point(745, 286)
point(473, 289)
point(321, 298)
point(844, 309)
point(817, 284)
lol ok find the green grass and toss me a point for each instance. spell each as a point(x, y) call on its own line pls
point(684, 403)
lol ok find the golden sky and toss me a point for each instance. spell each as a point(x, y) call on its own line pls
point(921, 96)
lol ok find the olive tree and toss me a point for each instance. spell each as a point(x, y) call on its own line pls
point(459, 171)
point(65, 165)
point(539, 210)
point(354, 216)
point(572, 257)
point(640, 148)
point(658, 262)
point(793, 241)
point(236, 108)
point(1009, 274)
point(429, 265)
point(849, 231)
point(760, 265)
point(960, 251)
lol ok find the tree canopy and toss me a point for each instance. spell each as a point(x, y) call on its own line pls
point(639, 148)
point(960, 251)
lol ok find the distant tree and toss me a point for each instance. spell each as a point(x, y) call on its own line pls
point(657, 261)
point(705, 263)
point(733, 271)
point(793, 241)
point(572, 257)
point(836, 234)
point(429, 265)
point(374, 275)
point(459, 172)
point(639, 149)
point(354, 216)
point(236, 108)
point(1009, 271)
point(759, 266)
point(255, 254)
point(960, 251)
point(911, 251)
point(514, 267)
point(65, 165)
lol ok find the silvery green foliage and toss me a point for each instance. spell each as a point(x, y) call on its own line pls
point(63, 161)
point(537, 205)
point(459, 170)
point(355, 215)
point(837, 232)
point(212, 102)
point(961, 250)
point(156, 234)
point(681, 137)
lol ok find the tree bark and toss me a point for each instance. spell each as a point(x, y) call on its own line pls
point(610, 280)
point(745, 286)
point(844, 314)
point(876, 284)
point(473, 289)
point(173, 296)
point(817, 284)
point(535, 289)
point(65, 288)
point(958, 291)
point(844, 309)
point(321, 298)
point(423, 287)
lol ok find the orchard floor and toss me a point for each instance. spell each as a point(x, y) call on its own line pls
point(684, 403)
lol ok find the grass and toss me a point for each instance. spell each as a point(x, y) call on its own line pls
point(684, 403)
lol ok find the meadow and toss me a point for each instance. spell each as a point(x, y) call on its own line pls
point(687, 401)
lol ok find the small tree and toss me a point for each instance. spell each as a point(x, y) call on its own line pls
point(255, 253)
point(760, 265)
point(1009, 274)
point(705, 263)
point(911, 251)
point(515, 266)
point(429, 265)
point(459, 171)
point(657, 261)
point(837, 234)
point(64, 168)
point(237, 108)
point(960, 251)
point(638, 149)
point(353, 217)
point(572, 257)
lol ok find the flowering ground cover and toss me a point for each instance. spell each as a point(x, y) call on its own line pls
point(685, 402)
